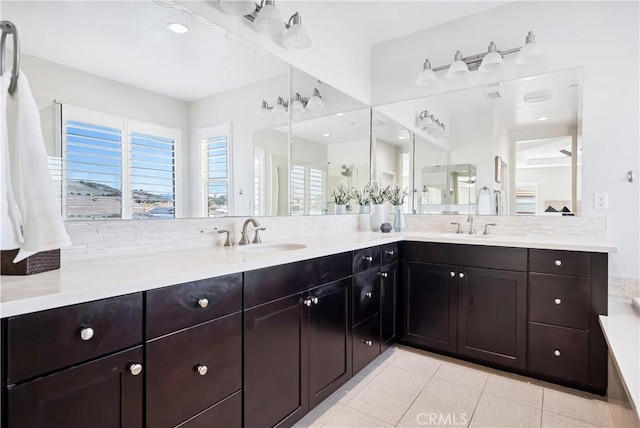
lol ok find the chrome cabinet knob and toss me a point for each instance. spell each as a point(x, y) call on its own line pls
point(557, 301)
point(203, 303)
point(369, 294)
point(86, 333)
point(202, 370)
point(368, 343)
point(314, 300)
point(452, 274)
point(135, 369)
point(390, 252)
point(461, 275)
point(558, 262)
point(306, 302)
point(368, 258)
point(556, 352)
point(384, 274)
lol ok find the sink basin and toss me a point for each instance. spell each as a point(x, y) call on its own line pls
point(269, 248)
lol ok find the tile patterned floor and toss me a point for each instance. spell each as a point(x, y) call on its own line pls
point(405, 387)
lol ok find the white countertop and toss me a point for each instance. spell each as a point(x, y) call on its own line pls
point(621, 329)
point(86, 280)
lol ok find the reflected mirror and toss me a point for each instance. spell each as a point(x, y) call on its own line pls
point(509, 148)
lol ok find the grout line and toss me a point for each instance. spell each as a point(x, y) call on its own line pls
point(478, 402)
point(416, 398)
point(542, 408)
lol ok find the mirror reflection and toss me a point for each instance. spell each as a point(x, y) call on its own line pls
point(502, 149)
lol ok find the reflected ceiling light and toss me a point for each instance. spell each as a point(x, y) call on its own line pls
point(326, 134)
point(542, 118)
point(491, 61)
point(339, 114)
point(484, 62)
point(316, 100)
point(265, 111)
point(280, 109)
point(531, 52)
point(177, 27)
point(269, 18)
point(237, 7)
point(297, 104)
point(296, 36)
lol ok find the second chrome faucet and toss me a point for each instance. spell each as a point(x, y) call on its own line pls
point(244, 237)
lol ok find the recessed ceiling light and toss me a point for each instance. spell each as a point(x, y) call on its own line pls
point(403, 137)
point(326, 134)
point(542, 118)
point(176, 27)
point(339, 114)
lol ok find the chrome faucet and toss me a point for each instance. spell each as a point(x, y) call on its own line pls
point(244, 237)
point(472, 229)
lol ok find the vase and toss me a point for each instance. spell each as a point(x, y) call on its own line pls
point(363, 209)
point(398, 220)
point(341, 209)
point(377, 217)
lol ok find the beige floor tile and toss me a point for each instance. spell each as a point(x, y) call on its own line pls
point(356, 384)
point(494, 412)
point(623, 416)
point(416, 362)
point(441, 404)
point(514, 390)
point(551, 420)
point(462, 376)
point(351, 418)
point(590, 410)
point(320, 414)
point(390, 394)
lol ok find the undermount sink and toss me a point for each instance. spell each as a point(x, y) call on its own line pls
point(269, 248)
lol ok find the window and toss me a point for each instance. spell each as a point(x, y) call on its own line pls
point(116, 167)
point(526, 198)
point(308, 191)
point(259, 175)
point(215, 169)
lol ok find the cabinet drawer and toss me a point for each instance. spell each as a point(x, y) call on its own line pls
point(559, 352)
point(389, 253)
point(366, 343)
point(225, 414)
point(366, 295)
point(184, 305)
point(559, 300)
point(176, 390)
point(575, 263)
point(366, 258)
point(49, 340)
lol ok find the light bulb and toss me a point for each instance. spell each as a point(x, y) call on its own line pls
point(296, 36)
point(238, 7)
point(269, 19)
point(491, 61)
point(458, 69)
point(296, 104)
point(315, 101)
point(264, 111)
point(426, 76)
point(531, 52)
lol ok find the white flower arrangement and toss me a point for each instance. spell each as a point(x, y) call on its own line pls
point(395, 195)
point(376, 194)
point(342, 194)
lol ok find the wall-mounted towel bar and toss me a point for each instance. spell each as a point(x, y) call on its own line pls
point(9, 28)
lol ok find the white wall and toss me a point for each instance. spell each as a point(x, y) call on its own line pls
point(603, 37)
point(554, 184)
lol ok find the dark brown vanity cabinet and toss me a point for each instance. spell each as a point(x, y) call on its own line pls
point(75, 366)
point(194, 352)
point(297, 338)
point(466, 300)
point(366, 306)
point(389, 295)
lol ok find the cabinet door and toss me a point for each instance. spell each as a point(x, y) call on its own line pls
point(275, 363)
point(329, 340)
point(492, 319)
point(366, 295)
point(101, 394)
point(430, 299)
point(388, 302)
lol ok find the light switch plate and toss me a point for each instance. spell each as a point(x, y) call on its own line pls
point(600, 201)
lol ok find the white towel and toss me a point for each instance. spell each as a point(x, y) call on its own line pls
point(39, 223)
point(484, 204)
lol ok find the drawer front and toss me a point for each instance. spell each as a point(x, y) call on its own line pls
point(559, 352)
point(574, 263)
point(504, 258)
point(429, 252)
point(184, 305)
point(389, 253)
point(366, 295)
point(366, 343)
point(176, 389)
point(268, 284)
point(45, 341)
point(225, 414)
point(559, 300)
point(366, 258)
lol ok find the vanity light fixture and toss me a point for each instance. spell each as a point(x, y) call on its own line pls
point(296, 36)
point(315, 102)
point(237, 7)
point(281, 107)
point(484, 62)
point(269, 19)
point(298, 104)
point(177, 27)
point(265, 111)
point(429, 123)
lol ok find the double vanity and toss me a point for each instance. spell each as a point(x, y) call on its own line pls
point(244, 337)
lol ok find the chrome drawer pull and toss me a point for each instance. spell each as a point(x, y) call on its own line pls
point(390, 252)
point(202, 370)
point(368, 258)
point(314, 300)
point(203, 303)
point(558, 262)
point(369, 294)
point(384, 274)
point(556, 352)
point(461, 275)
point(306, 302)
point(368, 343)
point(557, 301)
point(86, 333)
point(135, 369)
point(452, 274)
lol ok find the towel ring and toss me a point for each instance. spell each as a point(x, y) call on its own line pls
point(8, 28)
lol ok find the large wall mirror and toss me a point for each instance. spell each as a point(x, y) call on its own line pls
point(143, 122)
point(510, 148)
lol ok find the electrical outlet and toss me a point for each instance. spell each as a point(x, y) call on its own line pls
point(600, 201)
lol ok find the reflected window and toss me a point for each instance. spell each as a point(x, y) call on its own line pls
point(526, 198)
point(259, 175)
point(215, 168)
point(115, 167)
point(308, 191)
